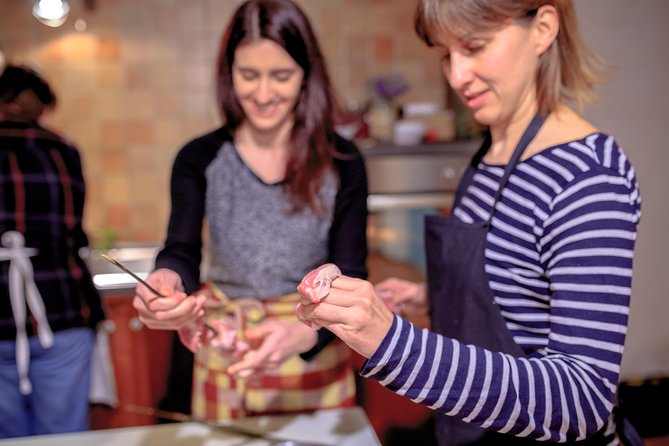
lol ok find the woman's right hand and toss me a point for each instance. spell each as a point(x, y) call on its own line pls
point(175, 309)
point(403, 297)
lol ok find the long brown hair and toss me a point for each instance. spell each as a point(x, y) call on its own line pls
point(567, 71)
point(313, 134)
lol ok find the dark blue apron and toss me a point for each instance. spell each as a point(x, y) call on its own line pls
point(462, 304)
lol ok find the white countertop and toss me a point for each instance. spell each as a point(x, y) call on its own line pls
point(337, 427)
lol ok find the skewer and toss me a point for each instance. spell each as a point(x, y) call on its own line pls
point(122, 267)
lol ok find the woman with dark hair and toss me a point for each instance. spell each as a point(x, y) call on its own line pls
point(281, 193)
point(529, 280)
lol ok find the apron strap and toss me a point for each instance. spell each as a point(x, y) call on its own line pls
point(529, 134)
point(468, 177)
point(22, 290)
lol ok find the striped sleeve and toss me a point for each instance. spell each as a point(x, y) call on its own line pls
point(565, 389)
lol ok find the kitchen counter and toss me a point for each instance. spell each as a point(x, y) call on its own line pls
point(337, 427)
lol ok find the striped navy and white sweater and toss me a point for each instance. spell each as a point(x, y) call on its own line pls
point(559, 262)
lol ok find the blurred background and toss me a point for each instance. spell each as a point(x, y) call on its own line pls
point(135, 82)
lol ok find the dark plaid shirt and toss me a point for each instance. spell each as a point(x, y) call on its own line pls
point(42, 197)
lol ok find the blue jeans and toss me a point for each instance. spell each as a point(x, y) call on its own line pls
point(60, 378)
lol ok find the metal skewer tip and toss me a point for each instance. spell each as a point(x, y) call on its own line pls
point(134, 276)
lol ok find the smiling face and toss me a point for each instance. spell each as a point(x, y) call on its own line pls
point(267, 83)
point(493, 72)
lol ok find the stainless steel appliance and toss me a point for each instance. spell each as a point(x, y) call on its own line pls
point(405, 184)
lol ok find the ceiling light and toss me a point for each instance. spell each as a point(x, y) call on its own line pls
point(51, 12)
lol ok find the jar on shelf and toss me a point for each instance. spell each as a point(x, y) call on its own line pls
point(381, 121)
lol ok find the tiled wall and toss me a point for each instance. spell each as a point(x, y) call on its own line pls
point(138, 83)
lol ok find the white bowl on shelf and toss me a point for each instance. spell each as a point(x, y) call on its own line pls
point(408, 132)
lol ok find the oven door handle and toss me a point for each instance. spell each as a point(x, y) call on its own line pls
point(426, 200)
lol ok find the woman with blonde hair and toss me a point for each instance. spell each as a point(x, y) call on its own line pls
point(529, 281)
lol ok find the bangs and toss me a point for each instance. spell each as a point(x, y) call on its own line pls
point(461, 18)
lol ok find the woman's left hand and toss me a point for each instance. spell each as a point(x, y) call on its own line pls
point(278, 341)
point(353, 312)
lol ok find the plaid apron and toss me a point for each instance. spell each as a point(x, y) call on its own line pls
point(326, 381)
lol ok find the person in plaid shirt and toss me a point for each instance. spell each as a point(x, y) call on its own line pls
point(49, 306)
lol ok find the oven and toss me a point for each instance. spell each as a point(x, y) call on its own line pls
point(406, 183)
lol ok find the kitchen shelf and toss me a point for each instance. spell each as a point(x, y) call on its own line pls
point(460, 147)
